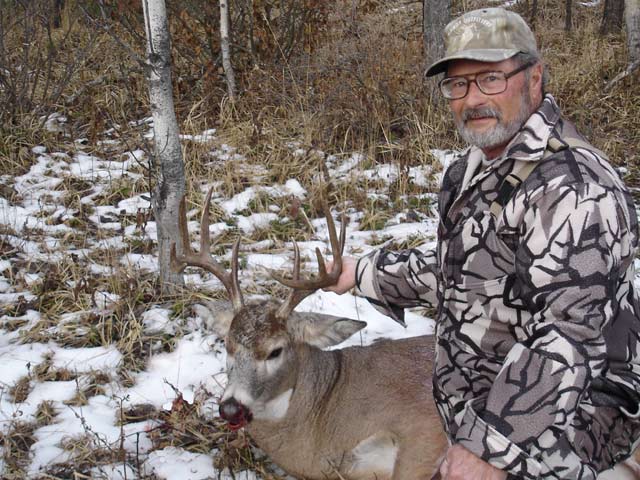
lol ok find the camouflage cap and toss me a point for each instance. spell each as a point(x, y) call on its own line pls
point(485, 35)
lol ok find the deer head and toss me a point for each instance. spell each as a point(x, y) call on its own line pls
point(263, 338)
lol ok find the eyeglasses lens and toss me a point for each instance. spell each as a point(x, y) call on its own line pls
point(489, 83)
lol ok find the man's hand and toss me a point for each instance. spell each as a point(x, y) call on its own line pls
point(460, 464)
point(347, 278)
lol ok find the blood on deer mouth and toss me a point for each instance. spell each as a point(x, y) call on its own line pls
point(235, 414)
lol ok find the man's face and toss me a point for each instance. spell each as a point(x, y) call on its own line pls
point(491, 121)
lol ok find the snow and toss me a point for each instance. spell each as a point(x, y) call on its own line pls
point(85, 360)
point(35, 225)
point(242, 200)
point(192, 365)
point(172, 463)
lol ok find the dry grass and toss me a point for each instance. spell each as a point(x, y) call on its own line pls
point(16, 444)
point(357, 87)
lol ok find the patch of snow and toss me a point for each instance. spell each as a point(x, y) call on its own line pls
point(132, 205)
point(113, 472)
point(158, 320)
point(192, 365)
point(15, 297)
point(256, 221)
point(172, 463)
point(203, 137)
point(84, 360)
point(105, 300)
point(293, 187)
point(138, 261)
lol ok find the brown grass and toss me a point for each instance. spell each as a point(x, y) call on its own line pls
point(356, 85)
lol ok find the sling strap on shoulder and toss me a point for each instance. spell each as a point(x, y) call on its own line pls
point(522, 169)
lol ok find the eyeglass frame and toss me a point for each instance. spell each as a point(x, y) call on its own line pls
point(469, 81)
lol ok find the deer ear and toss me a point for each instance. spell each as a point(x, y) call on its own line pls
point(217, 315)
point(322, 330)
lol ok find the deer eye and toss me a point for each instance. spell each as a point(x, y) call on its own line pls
point(275, 353)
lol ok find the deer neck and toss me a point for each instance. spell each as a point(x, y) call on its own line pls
point(317, 373)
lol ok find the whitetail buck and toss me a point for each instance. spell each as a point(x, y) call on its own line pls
point(356, 413)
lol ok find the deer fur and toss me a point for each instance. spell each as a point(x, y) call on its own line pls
point(355, 413)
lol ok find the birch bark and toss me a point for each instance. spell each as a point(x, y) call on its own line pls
point(632, 21)
point(167, 157)
point(226, 49)
point(435, 16)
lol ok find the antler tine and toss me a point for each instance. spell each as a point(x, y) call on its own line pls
point(295, 295)
point(203, 259)
point(234, 292)
point(301, 288)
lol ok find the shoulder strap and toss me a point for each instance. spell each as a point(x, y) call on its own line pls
point(555, 145)
point(521, 170)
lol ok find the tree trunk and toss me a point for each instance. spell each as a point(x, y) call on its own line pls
point(226, 49)
point(167, 157)
point(612, 17)
point(435, 16)
point(567, 15)
point(533, 14)
point(632, 20)
point(58, 6)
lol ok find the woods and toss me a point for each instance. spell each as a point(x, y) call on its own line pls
point(112, 110)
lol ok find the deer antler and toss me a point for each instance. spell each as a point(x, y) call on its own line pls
point(302, 288)
point(204, 259)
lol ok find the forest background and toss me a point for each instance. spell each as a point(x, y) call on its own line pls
point(313, 78)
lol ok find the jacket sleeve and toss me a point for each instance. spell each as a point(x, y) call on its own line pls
point(573, 249)
point(393, 281)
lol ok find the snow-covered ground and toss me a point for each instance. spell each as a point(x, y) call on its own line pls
point(42, 222)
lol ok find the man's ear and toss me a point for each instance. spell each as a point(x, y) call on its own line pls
point(535, 83)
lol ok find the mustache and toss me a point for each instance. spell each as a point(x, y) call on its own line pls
point(481, 112)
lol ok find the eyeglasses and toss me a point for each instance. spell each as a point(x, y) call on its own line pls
point(489, 83)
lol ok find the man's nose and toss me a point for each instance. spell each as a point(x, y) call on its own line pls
point(475, 97)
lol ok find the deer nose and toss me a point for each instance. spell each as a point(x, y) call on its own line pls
point(236, 414)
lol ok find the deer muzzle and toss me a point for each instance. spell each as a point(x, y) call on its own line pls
point(234, 413)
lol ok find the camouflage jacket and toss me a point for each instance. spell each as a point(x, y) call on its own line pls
point(538, 356)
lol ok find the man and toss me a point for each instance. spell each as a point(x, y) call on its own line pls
point(538, 356)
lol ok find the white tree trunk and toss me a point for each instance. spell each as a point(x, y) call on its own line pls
point(226, 50)
point(435, 16)
point(632, 20)
point(168, 161)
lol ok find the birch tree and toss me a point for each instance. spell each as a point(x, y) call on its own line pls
point(632, 22)
point(226, 49)
point(612, 17)
point(167, 153)
point(435, 16)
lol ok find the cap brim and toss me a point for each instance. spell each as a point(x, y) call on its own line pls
point(486, 55)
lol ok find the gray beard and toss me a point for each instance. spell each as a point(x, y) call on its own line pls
point(501, 133)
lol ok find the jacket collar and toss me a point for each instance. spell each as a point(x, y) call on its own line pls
point(531, 141)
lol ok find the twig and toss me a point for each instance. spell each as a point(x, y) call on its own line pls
point(625, 73)
point(107, 29)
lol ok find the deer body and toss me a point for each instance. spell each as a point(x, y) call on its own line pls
point(356, 413)
point(360, 413)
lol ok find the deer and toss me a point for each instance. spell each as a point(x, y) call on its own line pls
point(357, 413)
